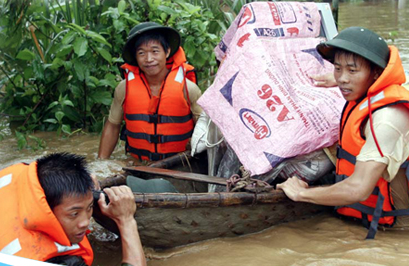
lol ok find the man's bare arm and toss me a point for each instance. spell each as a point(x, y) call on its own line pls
point(121, 209)
point(354, 189)
point(109, 139)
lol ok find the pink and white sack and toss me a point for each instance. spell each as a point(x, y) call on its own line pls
point(262, 99)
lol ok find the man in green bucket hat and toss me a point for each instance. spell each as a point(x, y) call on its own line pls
point(157, 99)
point(373, 149)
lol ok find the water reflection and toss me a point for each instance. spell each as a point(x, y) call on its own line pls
point(388, 18)
point(401, 4)
point(322, 240)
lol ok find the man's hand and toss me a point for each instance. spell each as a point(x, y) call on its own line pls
point(326, 81)
point(121, 205)
point(292, 188)
point(121, 209)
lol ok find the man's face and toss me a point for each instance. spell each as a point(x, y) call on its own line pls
point(353, 75)
point(74, 214)
point(151, 58)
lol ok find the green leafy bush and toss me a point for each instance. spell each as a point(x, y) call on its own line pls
point(60, 62)
point(58, 75)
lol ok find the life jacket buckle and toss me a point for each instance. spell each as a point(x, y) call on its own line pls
point(155, 138)
point(338, 151)
point(153, 118)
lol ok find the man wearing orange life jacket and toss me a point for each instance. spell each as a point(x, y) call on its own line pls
point(374, 133)
point(47, 206)
point(157, 100)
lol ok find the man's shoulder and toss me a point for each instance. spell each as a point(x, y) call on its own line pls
point(120, 90)
point(191, 86)
point(398, 111)
point(121, 85)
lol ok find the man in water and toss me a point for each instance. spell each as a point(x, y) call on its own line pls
point(47, 206)
point(374, 134)
point(157, 100)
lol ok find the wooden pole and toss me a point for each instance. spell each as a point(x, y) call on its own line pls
point(116, 180)
point(141, 170)
point(172, 161)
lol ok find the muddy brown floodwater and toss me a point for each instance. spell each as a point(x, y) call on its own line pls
point(321, 240)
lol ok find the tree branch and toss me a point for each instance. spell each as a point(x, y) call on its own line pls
point(35, 107)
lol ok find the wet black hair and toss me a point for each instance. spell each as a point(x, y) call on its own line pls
point(63, 174)
point(151, 36)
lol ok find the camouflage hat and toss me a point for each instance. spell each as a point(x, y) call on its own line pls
point(170, 34)
point(360, 41)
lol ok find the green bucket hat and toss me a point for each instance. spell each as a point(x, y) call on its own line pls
point(171, 35)
point(360, 41)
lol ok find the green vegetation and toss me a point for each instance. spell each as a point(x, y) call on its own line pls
point(60, 59)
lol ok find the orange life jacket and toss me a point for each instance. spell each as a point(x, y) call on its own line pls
point(29, 228)
point(180, 58)
point(386, 91)
point(157, 127)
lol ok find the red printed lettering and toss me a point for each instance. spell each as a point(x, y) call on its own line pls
point(273, 102)
point(251, 120)
point(274, 13)
point(247, 14)
point(265, 92)
point(242, 39)
point(261, 132)
point(283, 116)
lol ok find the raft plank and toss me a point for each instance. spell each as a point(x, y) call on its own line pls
point(176, 174)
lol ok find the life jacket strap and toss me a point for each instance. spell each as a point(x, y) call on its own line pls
point(151, 155)
point(68, 260)
point(373, 227)
point(157, 138)
point(365, 220)
point(158, 119)
point(192, 75)
point(343, 154)
point(339, 178)
point(376, 213)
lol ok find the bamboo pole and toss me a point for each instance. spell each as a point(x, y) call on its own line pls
point(116, 180)
point(32, 30)
point(201, 200)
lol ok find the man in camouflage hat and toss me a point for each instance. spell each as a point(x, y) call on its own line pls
point(373, 147)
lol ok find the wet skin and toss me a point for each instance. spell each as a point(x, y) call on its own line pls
point(74, 214)
point(151, 58)
point(353, 76)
